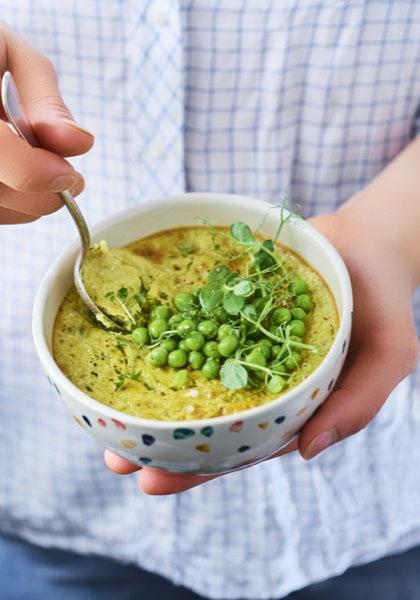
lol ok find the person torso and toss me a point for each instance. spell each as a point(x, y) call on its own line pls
point(256, 97)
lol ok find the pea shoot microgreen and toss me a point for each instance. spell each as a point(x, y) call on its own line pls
point(238, 326)
point(186, 250)
point(120, 297)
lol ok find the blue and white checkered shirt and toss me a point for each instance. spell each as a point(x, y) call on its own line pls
point(260, 97)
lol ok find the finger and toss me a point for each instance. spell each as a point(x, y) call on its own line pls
point(30, 169)
point(375, 372)
point(12, 217)
point(3, 62)
point(159, 483)
point(119, 465)
point(37, 83)
point(155, 482)
point(34, 204)
point(290, 447)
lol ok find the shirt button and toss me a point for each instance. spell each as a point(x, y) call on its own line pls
point(158, 16)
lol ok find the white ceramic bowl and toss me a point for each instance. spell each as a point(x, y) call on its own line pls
point(210, 445)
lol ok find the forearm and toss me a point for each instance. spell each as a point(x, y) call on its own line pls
point(390, 205)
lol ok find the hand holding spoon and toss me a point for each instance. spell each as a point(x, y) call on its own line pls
point(14, 110)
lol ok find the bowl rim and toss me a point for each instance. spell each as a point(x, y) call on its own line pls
point(55, 373)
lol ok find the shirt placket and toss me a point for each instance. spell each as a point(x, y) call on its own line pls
point(154, 103)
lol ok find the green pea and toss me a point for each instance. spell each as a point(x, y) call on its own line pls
point(299, 286)
point(297, 328)
point(211, 350)
point(224, 330)
point(281, 353)
point(160, 312)
point(177, 358)
point(185, 327)
point(281, 315)
point(258, 304)
point(243, 330)
point(158, 357)
point(248, 344)
point(228, 345)
point(220, 314)
point(157, 327)
point(259, 375)
point(184, 301)
point(304, 301)
point(211, 368)
point(265, 349)
point(182, 345)
point(175, 320)
point(208, 328)
point(299, 314)
point(274, 329)
point(181, 378)
point(196, 359)
point(293, 361)
point(195, 340)
point(256, 357)
point(169, 344)
point(140, 335)
point(275, 384)
point(275, 350)
point(278, 368)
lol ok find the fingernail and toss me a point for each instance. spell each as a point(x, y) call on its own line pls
point(63, 182)
point(77, 126)
point(320, 443)
point(78, 186)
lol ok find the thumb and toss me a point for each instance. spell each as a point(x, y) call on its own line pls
point(375, 371)
point(160, 483)
point(37, 83)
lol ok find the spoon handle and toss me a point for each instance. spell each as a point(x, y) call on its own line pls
point(19, 121)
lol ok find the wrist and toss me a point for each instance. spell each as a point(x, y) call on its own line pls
point(394, 228)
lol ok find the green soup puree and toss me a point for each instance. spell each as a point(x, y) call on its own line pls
point(112, 368)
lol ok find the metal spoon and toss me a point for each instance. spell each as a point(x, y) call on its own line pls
point(15, 112)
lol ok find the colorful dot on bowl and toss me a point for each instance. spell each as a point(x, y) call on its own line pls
point(203, 448)
point(207, 431)
point(301, 411)
point(145, 460)
point(236, 426)
point(243, 448)
point(287, 435)
point(263, 425)
point(147, 439)
point(182, 433)
point(279, 420)
point(344, 346)
point(315, 393)
point(118, 424)
point(86, 420)
point(128, 444)
point(331, 385)
point(56, 389)
point(78, 421)
point(102, 422)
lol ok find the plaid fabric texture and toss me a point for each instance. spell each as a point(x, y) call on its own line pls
point(259, 97)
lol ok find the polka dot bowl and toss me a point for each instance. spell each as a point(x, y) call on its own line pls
point(219, 444)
